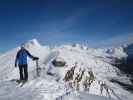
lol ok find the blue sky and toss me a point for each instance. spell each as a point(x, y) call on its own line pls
point(100, 22)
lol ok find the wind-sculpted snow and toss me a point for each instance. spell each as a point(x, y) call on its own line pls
point(87, 71)
point(82, 96)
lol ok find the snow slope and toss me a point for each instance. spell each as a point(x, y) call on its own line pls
point(89, 63)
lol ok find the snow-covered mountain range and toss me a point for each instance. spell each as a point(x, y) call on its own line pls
point(87, 72)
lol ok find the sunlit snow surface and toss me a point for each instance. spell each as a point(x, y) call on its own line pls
point(47, 87)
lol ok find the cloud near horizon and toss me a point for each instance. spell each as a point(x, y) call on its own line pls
point(118, 40)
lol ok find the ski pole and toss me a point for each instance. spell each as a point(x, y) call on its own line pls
point(37, 68)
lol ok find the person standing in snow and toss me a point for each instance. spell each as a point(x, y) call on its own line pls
point(21, 61)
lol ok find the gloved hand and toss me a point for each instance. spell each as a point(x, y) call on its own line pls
point(15, 65)
point(35, 58)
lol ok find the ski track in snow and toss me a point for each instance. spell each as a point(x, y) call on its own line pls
point(46, 87)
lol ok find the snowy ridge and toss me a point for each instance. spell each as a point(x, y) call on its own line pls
point(32, 43)
point(92, 70)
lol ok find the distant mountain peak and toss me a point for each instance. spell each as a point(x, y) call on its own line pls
point(32, 43)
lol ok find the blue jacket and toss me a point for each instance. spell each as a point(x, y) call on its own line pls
point(21, 57)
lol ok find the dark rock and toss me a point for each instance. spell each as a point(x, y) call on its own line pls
point(58, 62)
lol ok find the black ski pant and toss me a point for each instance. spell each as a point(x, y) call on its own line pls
point(23, 71)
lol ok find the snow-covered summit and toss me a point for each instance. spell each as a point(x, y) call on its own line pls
point(32, 43)
point(91, 69)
